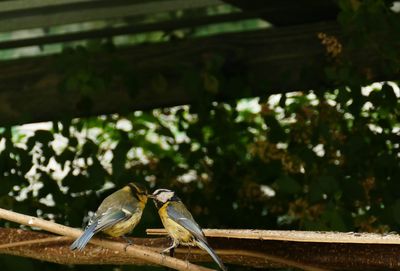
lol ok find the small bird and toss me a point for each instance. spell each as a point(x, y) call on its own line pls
point(179, 223)
point(117, 215)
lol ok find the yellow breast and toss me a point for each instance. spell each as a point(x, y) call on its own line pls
point(176, 231)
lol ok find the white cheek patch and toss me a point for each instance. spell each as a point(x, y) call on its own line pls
point(165, 196)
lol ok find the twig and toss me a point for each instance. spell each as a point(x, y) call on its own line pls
point(298, 236)
point(133, 250)
point(35, 242)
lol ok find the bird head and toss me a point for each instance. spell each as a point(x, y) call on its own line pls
point(138, 192)
point(162, 196)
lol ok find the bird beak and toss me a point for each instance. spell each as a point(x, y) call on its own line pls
point(151, 196)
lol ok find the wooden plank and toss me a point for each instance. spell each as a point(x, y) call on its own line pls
point(55, 249)
point(21, 18)
point(7, 6)
point(250, 253)
point(125, 30)
point(254, 63)
point(298, 236)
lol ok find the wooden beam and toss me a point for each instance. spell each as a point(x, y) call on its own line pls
point(127, 30)
point(8, 6)
point(27, 14)
point(254, 63)
point(298, 236)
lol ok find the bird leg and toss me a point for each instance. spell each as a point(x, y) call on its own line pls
point(170, 249)
point(187, 254)
point(172, 252)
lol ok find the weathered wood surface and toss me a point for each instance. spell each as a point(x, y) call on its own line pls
point(255, 63)
point(27, 14)
point(299, 236)
point(251, 248)
point(267, 61)
point(139, 252)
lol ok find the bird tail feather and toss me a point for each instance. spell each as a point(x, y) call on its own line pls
point(82, 241)
point(212, 253)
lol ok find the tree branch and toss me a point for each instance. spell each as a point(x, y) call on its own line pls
point(134, 250)
point(35, 242)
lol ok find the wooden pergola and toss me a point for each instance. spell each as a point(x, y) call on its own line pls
point(283, 53)
point(285, 56)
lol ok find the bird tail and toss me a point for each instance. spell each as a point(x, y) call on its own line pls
point(81, 242)
point(206, 247)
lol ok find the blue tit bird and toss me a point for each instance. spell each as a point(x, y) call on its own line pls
point(179, 223)
point(117, 215)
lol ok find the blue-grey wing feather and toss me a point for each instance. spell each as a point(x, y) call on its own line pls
point(123, 206)
point(110, 218)
point(98, 223)
point(81, 242)
point(178, 213)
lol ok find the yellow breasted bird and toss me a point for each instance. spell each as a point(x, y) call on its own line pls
point(179, 223)
point(117, 215)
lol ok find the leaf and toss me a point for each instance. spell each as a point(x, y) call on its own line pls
point(334, 219)
point(73, 142)
point(50, 185)
point(288, 185)
point(328, 184)
point(43, 136)
point(119, 157)
point(77, 183)
point(66, 155)
point(25, 159)
point(65, 128)
point(89, 149)
point(275, 131)
point(97, 175)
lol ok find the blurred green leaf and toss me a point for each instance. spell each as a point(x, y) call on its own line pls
point(288, 185)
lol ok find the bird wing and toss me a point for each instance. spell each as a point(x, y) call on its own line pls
point(119, 207)
point(178, 213)
point(110, 217)
point(105, 218)
point(98, 223)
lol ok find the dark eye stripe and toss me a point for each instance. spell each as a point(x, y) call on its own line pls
point(133, 187)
